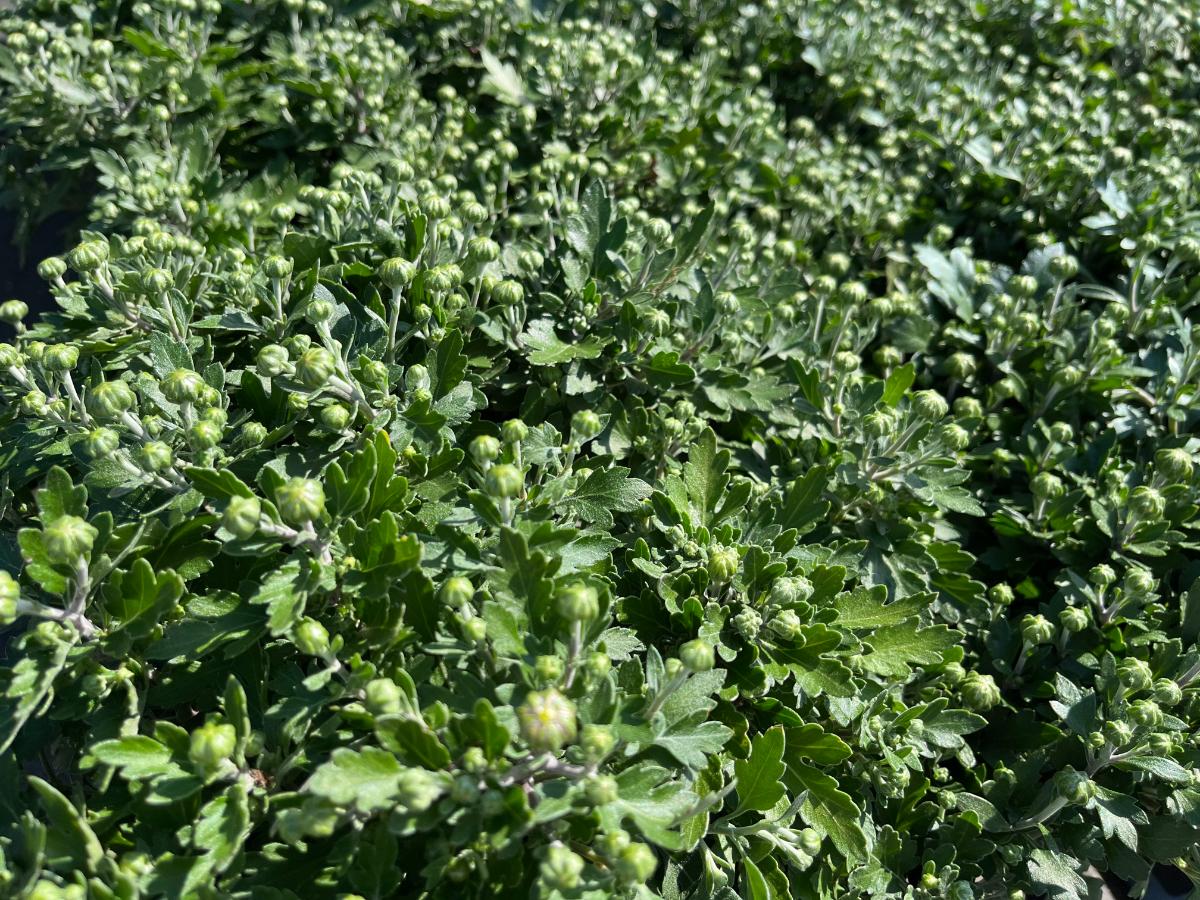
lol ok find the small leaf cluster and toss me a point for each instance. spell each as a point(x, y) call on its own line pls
point(642, 450)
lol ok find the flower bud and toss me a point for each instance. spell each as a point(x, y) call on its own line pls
point(1022, 286)
point(601, 790)
point(1146, 713)
point(13, 311)
point(1135, 674)
point(383, 697)
point(1117, 732)
point(1174, 464)
point(1046, 486)
point(457, 591)
point(786, 625)
point(585, 425)
point(635, 864)
point(300, 500)
point(722, 564)
point(1147, 503)
point(397, 273)
point(1064, 267)
point(504, 481)
point(547, 668)
point(60, 358)
point(697, 656)
point(88, 256)
point(1139, 582)
point(155, 456)
point(315, 367)
point(1102, 575)
point(318, 311)
point(211, 744)
point(101, 442)
point(108, 400)
point(508, 293)
point(597, 741)
point(578, 602)
point(968, 408)
point(1001, 594)
point(929, 405)
point(51, 268)
point(954, 436)
point(182, 386)
point(278, 267)
point(335, 417)
point(310, 637)
point(960, 366)
point(547, 720)
point(484, 449)
point(1073, 619)
point(514, 431)
point(205, 434)
point(474, 630)
point(790, 590)
point(598, 664)
point(67, 539)
point(1037, 630)
point(241, 516)
point(10, 594)
point(561, 869)
point(980, 691)
point(1167, 692)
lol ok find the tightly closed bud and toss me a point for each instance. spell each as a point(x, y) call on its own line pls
point(13, 311)
point(1135, 674)
point(514, 431)
point(548, 668)
point(182, 386)
point(1102, 575)
point(335, 417)
point(318, 311)
point(457, 591)
point(601, 790)
point(547, 720)
point(1046, 486)
point(397, 273)
point(954, 436)
point(697, 656)
point(1001, 593)
point(483, 249)
point(485, 449)
point(373, 373)
point(205, 434)
point(635, 864)
point(253, 434)
point(1174, 464)
point(1022, 286)
point(157, 281)
point(578, 602)
point(598, 664)
point(508, 293)
point(1118, 732)
point(968, 408)
point(107, 401)
point(747, 623)
point(211, 744)
point(155, 456)
point(1147, 503)
point(1139, 582)
point(722, 564)
point(960, 366)
point(10, 594)
point(980, 691)
point(101, 442)
point(310, 637)
point(887, 357)
point(52, 268)
point(1064, 267)
point(929, 405)
point(68, 538)
point(504, 481)
point(383, 697)
point(1167, 692)
point(315, 367)
point(585, 425)
point(300, 500)
point(791, 590)
point(1146, 713)
point(241, 516)
point(787, 625)
point(1037, 630)
point(1073, 619)
point(277, 267)
point(88, 256)
point(561, 869)
point(597, 741)
point(60, 358)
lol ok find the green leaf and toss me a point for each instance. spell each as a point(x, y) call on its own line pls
point(1159, 766)
point(137, 756)
point(1057, 875)
point(604, 492)
point(867, 608)
point(897, 648)
point(548, 350)
point(989, 817)
point(138, 600)
point(69, 833)
point(810, 741)
point(367, 779)
point(501, 80)
point(759, 778)
point(830, 811)
point(60, 497)
point(898, 383)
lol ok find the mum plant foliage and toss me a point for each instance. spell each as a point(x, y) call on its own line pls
point(692, 450)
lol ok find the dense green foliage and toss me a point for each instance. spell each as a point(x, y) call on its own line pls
point(586, 450)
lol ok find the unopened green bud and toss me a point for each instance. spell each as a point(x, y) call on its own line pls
point(485, 449)
point(278, 267)
point(635, 864)
point(108, 400)
point(1146, 713)
point(929, 405)
point(504, 481)
point(52, 268)
point(60, 358)
point(585, 425)
point(1147, 503)
point(1047, 485)
point(508, 293)
point(310, 637)
point(457, 591)
point(211, 744)
point(1073, 619)
point(101, 442)
point(156, 456)
point(1174, 464)
point(697, 655)
point(315, 367)
point(561, 869)
point(547, 720)
point(514, 431)
point(790, 590)
point(1118, 732)
point(205, 434)
point(980, 691)
point(383, 697)
point(182, 386)
point(88, 256)
point(1135, 674)
point(241, 516)
point(722, 564)
point(67, 539)
point(1139, 582)
point(601, 790)
point(1102, 575)
point(335, 417)
point(1037, 629)
point(300, 500)
point(10, 595)
point(13, 311)
point(1167, 692)
point(578, 602)
point(397, 272)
